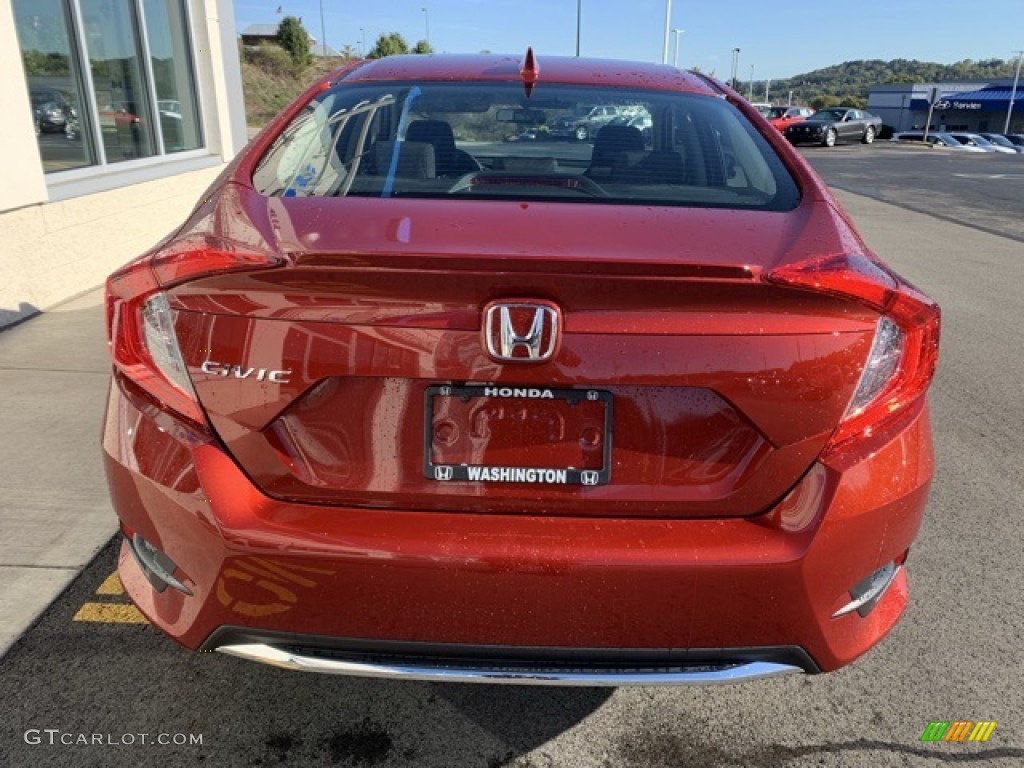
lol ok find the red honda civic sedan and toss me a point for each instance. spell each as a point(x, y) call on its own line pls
point(409, 396)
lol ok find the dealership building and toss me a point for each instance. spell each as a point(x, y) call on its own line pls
point(117, 115)
point(966, 106)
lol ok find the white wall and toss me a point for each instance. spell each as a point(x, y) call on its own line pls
point(60, 235)
point(52, 252)
point(21, 177)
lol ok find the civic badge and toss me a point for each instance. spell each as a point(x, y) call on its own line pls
point(521, 331)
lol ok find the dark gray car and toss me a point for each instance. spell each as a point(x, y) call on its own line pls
point(833, 125)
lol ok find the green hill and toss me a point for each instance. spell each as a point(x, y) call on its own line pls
point(271, 81)
point(850, 81)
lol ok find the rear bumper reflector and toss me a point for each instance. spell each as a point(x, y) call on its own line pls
point(156, 566)
point(865, 594)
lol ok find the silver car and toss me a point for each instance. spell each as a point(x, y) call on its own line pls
point(977, 140)
point(938, 139)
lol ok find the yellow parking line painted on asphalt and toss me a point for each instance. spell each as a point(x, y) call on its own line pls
point(110, 613)
point(111, 585)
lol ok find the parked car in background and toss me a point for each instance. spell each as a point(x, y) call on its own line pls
point(977, 140)
point(999, 140)
point(1017, 139)
point(583, 124)
point(762, 106)
point(780, 117)
point(394, 404)
point(830, 126)
point(642, 121)
point(172, 106)
point(50, 109)
point(937, 139)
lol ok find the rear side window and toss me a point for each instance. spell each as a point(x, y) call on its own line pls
point(492, 141)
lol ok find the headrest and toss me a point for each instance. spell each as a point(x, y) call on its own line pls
point(415, 159)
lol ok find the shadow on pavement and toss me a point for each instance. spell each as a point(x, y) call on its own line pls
point(114, 679)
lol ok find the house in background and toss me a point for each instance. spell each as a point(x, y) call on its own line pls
point(266, 34)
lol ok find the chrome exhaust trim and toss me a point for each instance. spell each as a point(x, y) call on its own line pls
point(697, 674)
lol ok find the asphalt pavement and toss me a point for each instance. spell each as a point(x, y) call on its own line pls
point(983, 191)
point(91, 668)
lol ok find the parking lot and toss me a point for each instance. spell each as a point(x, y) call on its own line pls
point(953, 226)
point(984, 191)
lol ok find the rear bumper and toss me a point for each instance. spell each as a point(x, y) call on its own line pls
point(519, 666)
point(696, 600)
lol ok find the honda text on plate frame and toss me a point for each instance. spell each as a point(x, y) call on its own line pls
point(428, 386)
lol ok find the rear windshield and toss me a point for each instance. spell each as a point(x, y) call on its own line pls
point(492, 141)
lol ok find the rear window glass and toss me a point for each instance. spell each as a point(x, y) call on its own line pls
point(492, 141)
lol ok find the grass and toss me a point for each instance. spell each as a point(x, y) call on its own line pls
point(270, 80)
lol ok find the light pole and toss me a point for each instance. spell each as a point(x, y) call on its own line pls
point(1013, 93)
point(750, 95)
point(362, 43)
point(323, 32)
point(668, 28)
point(579, 16)
point(735, 64)
point(675, 60)
point(426, 21)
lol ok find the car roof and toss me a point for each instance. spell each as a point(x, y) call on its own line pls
point(552, 69)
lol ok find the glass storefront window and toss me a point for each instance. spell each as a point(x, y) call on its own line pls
point(122, 98)
point(110, 80)
point(171, 57)
point(48, 52)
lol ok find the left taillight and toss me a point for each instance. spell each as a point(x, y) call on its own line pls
point(140, 321)
point(905, 349)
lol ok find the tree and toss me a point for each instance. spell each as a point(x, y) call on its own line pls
point(292, 36)
point(824, 102)
point(388, 45)
point(422, 46)
point(348, 52)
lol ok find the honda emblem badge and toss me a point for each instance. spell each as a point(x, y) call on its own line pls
point(521, 332)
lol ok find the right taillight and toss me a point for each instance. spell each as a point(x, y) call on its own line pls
point(900, 365)
point(140, 321)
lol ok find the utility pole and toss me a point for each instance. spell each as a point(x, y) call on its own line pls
point(735, 64)
point(675, 60)
point(933, 96)
point(323, 31)
point(426, 21)
point(579, 16)
point(1013, 93)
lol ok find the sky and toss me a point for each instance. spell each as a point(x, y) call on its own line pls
point(779, 38)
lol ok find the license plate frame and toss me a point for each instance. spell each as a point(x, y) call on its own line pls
point(492, 474)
